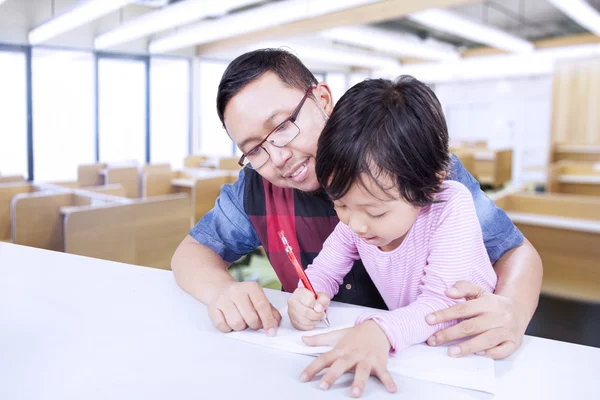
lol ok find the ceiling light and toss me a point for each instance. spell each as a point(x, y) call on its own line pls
point(398, 44)
point(180, 13)
point(448, 22)
point(256, 19)
point(80, 14)
point(581, 12)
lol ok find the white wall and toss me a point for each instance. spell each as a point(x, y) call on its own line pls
point(507, 113)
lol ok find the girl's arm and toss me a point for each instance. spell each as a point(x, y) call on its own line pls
point(335, 260)
point(457, 253)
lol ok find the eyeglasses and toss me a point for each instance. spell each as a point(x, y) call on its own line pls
point(281, 136)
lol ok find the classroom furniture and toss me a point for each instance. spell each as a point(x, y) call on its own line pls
point(106, 330)
point(576, 101)
point(195, 161)
point(493, 167)
point(149, 168)
point(12, 178)
point(229, 163)
point(126, 175)
point(574, 177)
point(466, 158)
point(565, 230)
point(90, 174)
point(202, 185)
point(143, 231)
point(101, 224)
point(590, 153)
point(7, 192)
point(37, 220)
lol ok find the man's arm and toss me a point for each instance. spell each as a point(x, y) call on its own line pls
point(201, 260)
point(497, 322)
point(199, 270)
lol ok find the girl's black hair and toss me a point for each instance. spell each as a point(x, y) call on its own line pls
point(385, 128)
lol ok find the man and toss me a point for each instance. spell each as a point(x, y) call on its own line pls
point(274, 110)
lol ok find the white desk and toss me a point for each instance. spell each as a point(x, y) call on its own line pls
point(80, 328)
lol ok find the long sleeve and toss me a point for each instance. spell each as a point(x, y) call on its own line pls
point(335, 260)
point(456, 252)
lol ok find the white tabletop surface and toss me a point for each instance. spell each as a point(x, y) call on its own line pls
point(585, 179)
point(81, 328)
point(552, 221)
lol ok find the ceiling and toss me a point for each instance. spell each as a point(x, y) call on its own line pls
point(528, 19)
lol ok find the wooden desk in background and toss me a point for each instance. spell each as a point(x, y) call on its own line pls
point(589, 153)
point(493, 167)
point(83, 328)
point(12, 178)
point(565, 230)
point(574, 177)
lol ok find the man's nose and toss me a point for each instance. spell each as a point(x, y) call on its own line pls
point(279, 155)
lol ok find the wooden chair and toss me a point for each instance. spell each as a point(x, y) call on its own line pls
point(493, 167)
point(7, 192)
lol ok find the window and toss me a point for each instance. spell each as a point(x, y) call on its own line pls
point(122, 110)
point(337, 84)
point(212, 140)
point(319, 76)
point(63, 113)
point(13, 113)
point(357, 77)
point(169, 110)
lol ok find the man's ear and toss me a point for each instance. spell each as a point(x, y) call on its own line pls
point(324, 97)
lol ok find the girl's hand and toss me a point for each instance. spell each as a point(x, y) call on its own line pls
point(364, 348)
point(305, 312)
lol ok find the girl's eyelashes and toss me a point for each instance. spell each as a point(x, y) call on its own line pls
point(377, 216)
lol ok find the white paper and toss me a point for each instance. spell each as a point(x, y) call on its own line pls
point(420, 361)
point(597, 167)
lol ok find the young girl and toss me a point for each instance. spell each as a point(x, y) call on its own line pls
point(382, 159)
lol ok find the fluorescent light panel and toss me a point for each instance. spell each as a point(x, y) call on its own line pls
point(449, 22)
point(398, 44)
point(178, 14)
point(80, 14)
point(581, 12)
point(252, 20)
point(2, 1)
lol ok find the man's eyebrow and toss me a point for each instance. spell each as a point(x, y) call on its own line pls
point(269, 121)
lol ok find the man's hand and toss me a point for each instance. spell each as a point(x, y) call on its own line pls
point(305, 311)
point(240, 305)
point(496, 323)
point(364, 348)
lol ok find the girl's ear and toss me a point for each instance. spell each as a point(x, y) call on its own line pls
point(322, 93)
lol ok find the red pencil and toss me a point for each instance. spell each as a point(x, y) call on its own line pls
point(299, 269)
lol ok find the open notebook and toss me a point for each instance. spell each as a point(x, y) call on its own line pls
point(419, 361)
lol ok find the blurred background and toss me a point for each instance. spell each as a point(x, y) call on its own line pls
point(111, 147)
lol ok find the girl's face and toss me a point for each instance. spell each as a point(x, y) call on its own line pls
point(381, 218)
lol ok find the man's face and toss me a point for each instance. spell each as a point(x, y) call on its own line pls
point(262, 105)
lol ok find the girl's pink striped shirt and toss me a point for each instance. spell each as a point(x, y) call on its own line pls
point(443, 246)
